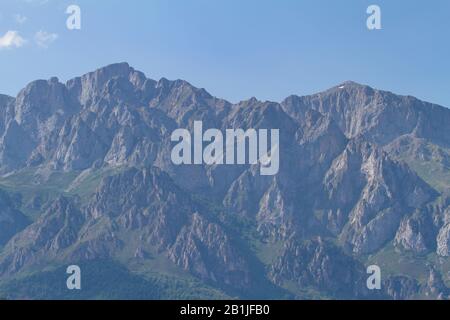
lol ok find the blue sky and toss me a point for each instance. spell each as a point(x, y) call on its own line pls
point(236, 49)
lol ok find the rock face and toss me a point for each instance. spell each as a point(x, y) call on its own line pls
point(43, 240)
point(435, 287)
point(11, 219)
point(204, 249)
point(321, 265)
point(401, 288)
point(5, 102)
point(443, 241)
point(387, 191)
point(416, 233)
point(361, 171)
point(144, 205)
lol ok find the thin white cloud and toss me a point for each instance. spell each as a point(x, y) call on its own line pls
point(44, 38)
point(20, 19)
point(11, 39)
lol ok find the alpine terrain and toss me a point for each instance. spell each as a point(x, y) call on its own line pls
point(86, 179)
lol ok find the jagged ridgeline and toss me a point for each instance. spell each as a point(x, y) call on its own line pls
point(87, 179)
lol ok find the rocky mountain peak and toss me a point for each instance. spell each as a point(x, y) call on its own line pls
point(89, 87)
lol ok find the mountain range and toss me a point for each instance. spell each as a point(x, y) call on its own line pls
point(86, 178)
